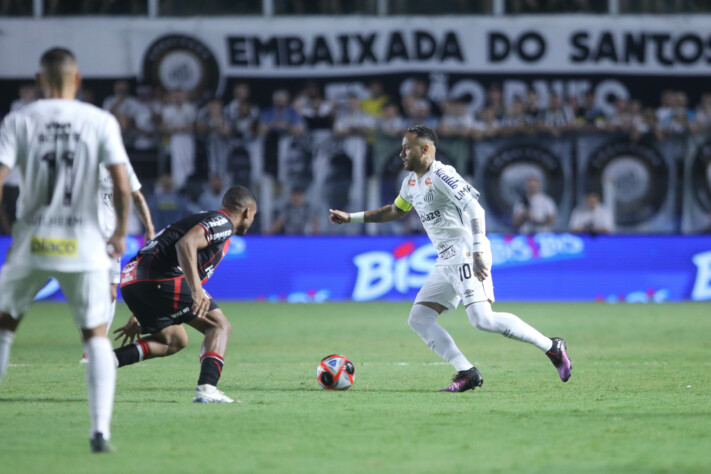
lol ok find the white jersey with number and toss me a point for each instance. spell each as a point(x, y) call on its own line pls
point(60, 146)
point(107, 214)
point(447, 204)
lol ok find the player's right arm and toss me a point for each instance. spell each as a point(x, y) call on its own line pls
point(187, 248)
point(122, 193)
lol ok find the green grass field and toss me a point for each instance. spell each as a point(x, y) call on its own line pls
point(639, 399)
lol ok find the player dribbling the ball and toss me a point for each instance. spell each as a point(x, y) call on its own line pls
point(454, 220)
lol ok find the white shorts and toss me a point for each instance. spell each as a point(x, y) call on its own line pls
point(87, 292)
point(447, 284)
point(115, 271)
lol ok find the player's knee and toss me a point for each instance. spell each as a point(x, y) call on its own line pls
point(223, 325)
point(481, 317)
point(177, 342)
point(420, 318)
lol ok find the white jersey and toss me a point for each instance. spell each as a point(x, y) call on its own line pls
point(448, 207)
point(59, 147)
point(107, 214)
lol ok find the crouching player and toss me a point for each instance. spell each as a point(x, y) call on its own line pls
point(162, 286)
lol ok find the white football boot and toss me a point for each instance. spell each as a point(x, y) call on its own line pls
point(210, 394)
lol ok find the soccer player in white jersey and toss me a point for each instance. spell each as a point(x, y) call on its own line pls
point(59, 145)
point(454, 220)
point(107, 217)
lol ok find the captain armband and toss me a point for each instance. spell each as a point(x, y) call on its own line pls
point(401, 204)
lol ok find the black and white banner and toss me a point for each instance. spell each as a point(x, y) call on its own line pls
point(503, 165)
point(566, 54)
point(696, 215)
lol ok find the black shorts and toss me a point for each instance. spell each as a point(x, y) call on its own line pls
point(158, 304)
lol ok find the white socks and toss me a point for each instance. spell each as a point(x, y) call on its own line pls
point(483, 317)
point(6, 338)
point(100, 383)
point(423, 321)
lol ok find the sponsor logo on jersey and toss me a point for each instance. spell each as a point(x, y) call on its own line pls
point(428, 181)
point(413, 182)
point(221, 235)
point(215, 222)
point(53, 247)
point(449, 181)
point(468, 293)
point(447, 253)
point(180, 313)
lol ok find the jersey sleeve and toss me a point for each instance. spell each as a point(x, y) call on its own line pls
point(133, 181)
point(111, 150)
point(8, 142)
point(403, 200)
point(217, 227)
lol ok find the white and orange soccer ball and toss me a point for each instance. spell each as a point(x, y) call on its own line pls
point(335, 372)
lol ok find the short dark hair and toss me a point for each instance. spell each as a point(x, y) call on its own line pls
point(237, 197)
point(53, 61)
point(423, 131)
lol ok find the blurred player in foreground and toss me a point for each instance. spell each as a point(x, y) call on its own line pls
point(60, 144)
point(162, 286)
point(453, 219)
point(108, 223)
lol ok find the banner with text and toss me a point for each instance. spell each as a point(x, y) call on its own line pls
point(545, 267)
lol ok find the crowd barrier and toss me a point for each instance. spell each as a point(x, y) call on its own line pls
point(544, 267)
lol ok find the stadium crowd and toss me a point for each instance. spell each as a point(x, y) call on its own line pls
point(187, 154)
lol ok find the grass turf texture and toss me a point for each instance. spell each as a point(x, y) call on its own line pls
point(638, 401)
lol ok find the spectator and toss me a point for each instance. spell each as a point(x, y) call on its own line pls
point(592, 217)
point(244, 125)
point(534, 114)
point(240, 93)
point(166, 205)
point(536, 211)
point(353, 121)
point(315, 110)
point(558, 117)
point(421, 114)
point(122, 106)
point(211, 197)
point(86, 95)
point(702, 117)
point(592, 114)
point(456, 121)
point(28, 93)
point(392, 123)
point(178, 122)
point(487, 126)
point(296, 217)
point(211, 123)
point(281, 117)
point(145, 122)
point(514, 120)
point(376, 100)
point(495, 100)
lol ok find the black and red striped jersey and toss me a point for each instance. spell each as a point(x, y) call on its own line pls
point(159, 258)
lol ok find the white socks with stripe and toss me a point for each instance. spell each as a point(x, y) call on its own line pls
point(423, 321)
point(483, 317)
point(6, 338)
point(100, 383)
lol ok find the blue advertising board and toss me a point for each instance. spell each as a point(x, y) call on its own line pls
point(544, 267)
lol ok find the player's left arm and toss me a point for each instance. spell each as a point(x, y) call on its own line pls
point(187, 248)
point(139, 201)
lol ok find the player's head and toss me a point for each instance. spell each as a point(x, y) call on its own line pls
point(59, 73)
point(241, 205)
point(418, 147)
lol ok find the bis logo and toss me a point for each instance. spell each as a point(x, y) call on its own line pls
point(182, 62)
point(506, 172)
point(639, 175)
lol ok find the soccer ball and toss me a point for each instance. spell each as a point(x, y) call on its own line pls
point(335, 372)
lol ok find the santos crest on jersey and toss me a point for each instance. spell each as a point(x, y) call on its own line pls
point(447, 205)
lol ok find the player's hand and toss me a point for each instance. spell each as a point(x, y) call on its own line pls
point(481, 270)
point(128, 331)
point(149, 235)
point(338, 217)
point(201, 303)
point(116, 245)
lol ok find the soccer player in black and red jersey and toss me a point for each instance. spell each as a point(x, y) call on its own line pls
point(162, 286)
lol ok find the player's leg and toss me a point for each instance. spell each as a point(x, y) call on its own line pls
point(477, 297)
point(18, 287)
point(435, 297)
point(89, 298)
point(112, 313)
point(217, 330)
point(162, 343)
